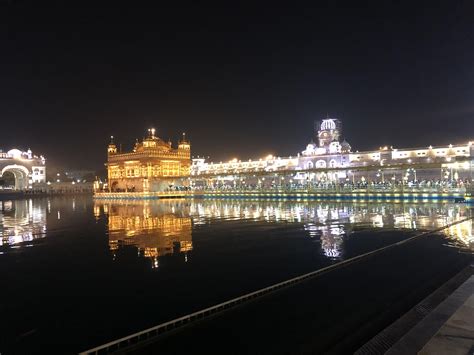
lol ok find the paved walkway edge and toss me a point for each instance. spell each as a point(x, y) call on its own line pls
point(387, 338)
point(414, 341)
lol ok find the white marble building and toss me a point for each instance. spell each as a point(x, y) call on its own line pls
point(26, 168)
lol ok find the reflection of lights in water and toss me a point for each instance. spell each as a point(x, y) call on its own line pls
point(96, 212)
point(312, 229)
point(461, 233)
point(159, 228)
point(377, 221)
point(7, 206)
point(152, 227)
point(21, 221)
point(399, 216)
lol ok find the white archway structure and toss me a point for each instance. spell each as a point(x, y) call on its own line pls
point(321, 164)
point(20, 173)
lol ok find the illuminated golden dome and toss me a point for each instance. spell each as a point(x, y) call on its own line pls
point(183, 143)
point(152, 141)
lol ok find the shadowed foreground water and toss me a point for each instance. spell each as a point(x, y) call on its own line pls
point(77, 273)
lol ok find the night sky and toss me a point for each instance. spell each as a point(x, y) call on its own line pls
point(241, 81)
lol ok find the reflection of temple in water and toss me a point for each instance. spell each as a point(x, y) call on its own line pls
point(156, 229)
point(21, 221)
point(164, 227)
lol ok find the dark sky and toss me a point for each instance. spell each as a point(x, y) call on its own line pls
point(241, 81)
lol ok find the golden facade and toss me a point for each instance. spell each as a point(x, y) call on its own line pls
point(152, 166)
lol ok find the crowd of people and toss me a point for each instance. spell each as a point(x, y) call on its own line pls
point(324, 185)
point(437, 185)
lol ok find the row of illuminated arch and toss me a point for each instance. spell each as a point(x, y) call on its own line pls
point(320, 164)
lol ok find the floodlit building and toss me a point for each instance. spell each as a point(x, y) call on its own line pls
point(152, 166)
point(332, 159)
point(24, 168)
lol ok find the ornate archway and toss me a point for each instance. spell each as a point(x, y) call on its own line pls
point(321, 164)
point(20, 173)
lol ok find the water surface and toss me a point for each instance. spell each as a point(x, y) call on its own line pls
point(76, 273)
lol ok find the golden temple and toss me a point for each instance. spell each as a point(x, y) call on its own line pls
point(152, 166)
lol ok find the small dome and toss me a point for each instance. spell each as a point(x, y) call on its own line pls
point(184, 141)
point(345, 146)
point(328, 124)
point(15, 153)
point(311, 145)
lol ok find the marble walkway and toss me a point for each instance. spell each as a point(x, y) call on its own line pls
point(448, 329)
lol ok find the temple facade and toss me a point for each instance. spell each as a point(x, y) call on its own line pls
point(152, 166)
